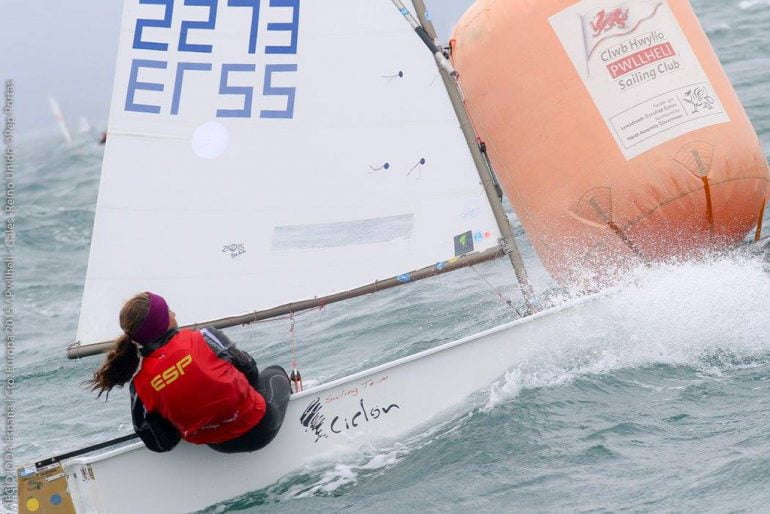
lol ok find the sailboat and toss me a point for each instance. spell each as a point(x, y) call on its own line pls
point(264, 159)
point(58, 116)
point(84, 127)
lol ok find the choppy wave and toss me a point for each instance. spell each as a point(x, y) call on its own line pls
point(663, 407)
point(750, 4)
point(679, 365)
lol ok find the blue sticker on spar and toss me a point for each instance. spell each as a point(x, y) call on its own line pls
point(188, 57)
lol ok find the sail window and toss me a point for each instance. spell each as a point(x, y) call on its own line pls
point(345, 233)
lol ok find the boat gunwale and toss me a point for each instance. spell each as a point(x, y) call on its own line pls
point(79, 461)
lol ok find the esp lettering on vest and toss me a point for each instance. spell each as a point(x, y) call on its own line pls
point(161, 380)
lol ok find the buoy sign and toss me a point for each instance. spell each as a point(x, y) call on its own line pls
point(639, 69)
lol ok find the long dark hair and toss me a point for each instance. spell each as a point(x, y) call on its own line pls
point(122, 361)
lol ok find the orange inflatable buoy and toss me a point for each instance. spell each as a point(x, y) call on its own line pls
point(612, 127)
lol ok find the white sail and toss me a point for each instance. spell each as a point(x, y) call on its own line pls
point(60, 121)
point(84, 127)
point(263, 156)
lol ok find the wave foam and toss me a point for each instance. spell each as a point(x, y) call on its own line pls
point(706, 315)
point(748, 4)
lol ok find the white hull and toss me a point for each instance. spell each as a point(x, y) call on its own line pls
point(384, 403)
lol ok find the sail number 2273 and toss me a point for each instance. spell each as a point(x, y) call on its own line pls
point(166, 66)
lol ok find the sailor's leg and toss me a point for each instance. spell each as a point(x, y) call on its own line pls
point(275, 387)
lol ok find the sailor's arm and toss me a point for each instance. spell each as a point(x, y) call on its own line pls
point(156, 432)
point(225, 349)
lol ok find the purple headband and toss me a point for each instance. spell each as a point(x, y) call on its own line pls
point(155, 324)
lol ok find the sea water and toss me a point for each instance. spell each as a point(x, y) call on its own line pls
point(664, 408)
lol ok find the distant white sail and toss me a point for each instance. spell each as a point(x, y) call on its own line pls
point(85, 127)
point(259, 156)
point(60, 121)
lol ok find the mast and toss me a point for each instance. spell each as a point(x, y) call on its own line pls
point(427, 33)
point(446, 152)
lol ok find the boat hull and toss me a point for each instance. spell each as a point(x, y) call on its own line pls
point(373, 407)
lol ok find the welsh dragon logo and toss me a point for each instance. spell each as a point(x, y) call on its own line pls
point(607, 20)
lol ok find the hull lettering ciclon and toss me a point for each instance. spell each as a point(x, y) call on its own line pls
point(313, 419)
point(613, 129)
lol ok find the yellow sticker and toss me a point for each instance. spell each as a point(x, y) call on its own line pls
point(33, 504)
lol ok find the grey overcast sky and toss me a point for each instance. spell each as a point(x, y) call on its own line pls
point(67, 48)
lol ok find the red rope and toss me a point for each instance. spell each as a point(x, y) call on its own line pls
point(293, 343)
point(493, 288)
point(285, 316)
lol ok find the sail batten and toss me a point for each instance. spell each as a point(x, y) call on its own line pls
point(277, 166)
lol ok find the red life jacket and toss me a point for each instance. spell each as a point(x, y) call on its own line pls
point(206, 398)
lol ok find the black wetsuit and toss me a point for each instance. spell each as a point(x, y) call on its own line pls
point(159, 435)
point(275, 388)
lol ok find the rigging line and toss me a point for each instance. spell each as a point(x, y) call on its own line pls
point(293, 339)
point(284, 317)
point(493, 288)
point(296, 377)
point(436, 50)
point(508, 240)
